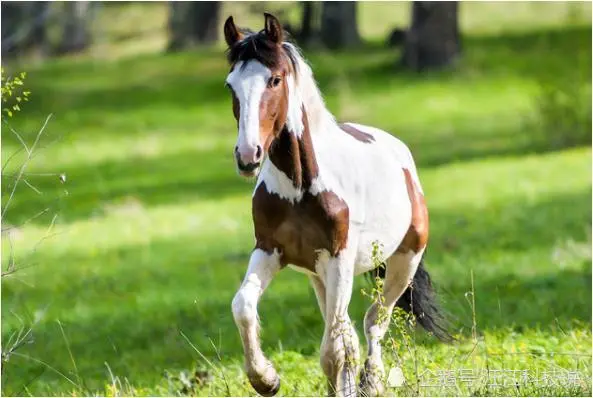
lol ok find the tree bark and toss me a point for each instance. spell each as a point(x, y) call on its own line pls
point(338, 24)
point(76, 36)
point(38, 16)
point(433, 39)
point(12, 18)
point(306, 32)
point(193, 23)
point(24, 26)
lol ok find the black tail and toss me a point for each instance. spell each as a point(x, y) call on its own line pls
point(420, 299)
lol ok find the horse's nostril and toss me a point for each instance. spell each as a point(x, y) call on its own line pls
point(236, 149)
point(258, 153)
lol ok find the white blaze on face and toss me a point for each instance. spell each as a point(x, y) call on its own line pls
point(249, 82)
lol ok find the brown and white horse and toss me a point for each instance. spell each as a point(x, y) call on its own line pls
point(325, 193)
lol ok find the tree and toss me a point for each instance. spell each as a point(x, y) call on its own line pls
point(307, 32)
point(338, 24)
point(24, 26)
point(433, 39)
point(193, 23)
point(76, 34)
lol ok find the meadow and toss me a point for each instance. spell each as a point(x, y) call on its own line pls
point(127, 277)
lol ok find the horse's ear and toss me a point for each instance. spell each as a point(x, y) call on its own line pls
point(273, 28)
point(231, 33)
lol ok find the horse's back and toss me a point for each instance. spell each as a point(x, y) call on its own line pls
point(395, 147)
point(371, 164)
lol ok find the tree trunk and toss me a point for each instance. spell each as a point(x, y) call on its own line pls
point(306, 32)
point(338, 24)
point(206, 15)
point(24, 26)
point(193, 23)
point(76, 35)
point(38, 13)
point(178, 30)
point(12, 20)
point(433, 39)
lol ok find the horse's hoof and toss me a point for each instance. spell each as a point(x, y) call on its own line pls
point(266, 388)
point(371, 382)
point(371, 389)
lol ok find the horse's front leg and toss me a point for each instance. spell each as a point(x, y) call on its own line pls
point(262, 268)
point(339, 349)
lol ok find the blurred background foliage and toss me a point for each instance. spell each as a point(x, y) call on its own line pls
point(132, 224)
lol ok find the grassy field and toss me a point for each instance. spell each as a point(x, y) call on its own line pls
point(131, 289)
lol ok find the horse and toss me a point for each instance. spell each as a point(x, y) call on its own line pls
point(325, 195)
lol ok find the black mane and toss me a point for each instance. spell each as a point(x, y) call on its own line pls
point(257, 46)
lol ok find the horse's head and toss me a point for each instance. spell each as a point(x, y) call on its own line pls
point(259, 86)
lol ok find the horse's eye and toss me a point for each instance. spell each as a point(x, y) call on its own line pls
point(275, 81)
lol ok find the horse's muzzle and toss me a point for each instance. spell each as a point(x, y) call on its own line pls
point(249, 169)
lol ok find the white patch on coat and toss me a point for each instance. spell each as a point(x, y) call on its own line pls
point(249, 82)
point(278, 182)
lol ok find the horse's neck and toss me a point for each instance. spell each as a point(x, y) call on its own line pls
point(293, 154)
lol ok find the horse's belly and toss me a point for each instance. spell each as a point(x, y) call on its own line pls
point(387, 222)
point(375, 247)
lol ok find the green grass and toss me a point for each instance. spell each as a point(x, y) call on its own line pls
point(154, 228)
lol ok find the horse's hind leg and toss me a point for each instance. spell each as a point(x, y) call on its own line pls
point(400, 269)
point(339, 348)
point(319, 288)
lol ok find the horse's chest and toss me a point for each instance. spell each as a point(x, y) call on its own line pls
point(299, 230)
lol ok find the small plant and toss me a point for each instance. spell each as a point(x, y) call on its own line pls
point(376, 292)
point(399, 343)
point(13, 93)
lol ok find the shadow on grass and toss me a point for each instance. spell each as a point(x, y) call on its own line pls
point(174, 178)
point(190, 176)
point(173, 81)
point(180, 80)
point(126, 307)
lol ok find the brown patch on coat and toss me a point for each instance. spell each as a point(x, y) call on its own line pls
point(298, 231)
point(285, 155)
point(236, 105)
point(356, 133)
point(307, 153)
point(417, 236)
point(273, 107)
point(295, 156)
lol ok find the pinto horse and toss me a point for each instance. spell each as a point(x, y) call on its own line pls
point(326, 193)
